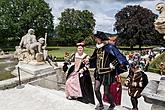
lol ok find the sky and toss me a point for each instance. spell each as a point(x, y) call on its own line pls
point(103, 10)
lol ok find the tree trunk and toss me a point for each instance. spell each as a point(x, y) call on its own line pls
point(131, 47)
point(140, 47)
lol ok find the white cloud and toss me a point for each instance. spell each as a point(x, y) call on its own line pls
point(104, 10)
point(104, 22)
point(147, 4)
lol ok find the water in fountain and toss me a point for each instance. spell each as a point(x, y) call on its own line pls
point(6, 66)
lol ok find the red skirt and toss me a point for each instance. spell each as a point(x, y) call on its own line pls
point(115, 90)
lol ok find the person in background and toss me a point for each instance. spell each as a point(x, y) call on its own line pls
point(78, 81)
point(136, 81)
point(161, 67)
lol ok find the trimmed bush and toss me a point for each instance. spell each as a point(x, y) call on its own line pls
point(154, 65)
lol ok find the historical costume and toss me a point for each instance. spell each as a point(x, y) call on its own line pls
point(107, 61)
point(78, 83)
point(136, 82)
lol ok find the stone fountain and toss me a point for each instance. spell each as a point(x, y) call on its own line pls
point(154, 92)
point(160, 22)
point(32, 55)
point(34, 66)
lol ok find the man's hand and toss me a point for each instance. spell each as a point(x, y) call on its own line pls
point(126, 83)
point(111, 66)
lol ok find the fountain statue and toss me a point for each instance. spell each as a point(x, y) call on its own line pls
point(30, 50)
point(154, 92)
point(32, 54)
point(34, 65)
point(160, 22)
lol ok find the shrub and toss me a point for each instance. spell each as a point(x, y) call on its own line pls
point(154, 65)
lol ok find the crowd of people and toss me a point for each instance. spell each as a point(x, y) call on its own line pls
point(109, 63)
point(143, 58)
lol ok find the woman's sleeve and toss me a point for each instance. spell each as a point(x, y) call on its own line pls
point(92, 59)
point(86, 63)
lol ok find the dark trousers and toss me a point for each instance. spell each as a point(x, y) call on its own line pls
point(134, 102)
point(98, 93)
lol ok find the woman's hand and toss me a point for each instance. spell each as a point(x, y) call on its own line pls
point(85, 61)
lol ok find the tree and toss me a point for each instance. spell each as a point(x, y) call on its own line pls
point(75, 25)
point(17, 16)
point(134, 25)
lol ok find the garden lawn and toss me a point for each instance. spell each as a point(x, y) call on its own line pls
point(59, 51)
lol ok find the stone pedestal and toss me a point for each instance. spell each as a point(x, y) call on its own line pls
point(154, 93)
point(35, 68)
point(36, 73)
point(160, 21)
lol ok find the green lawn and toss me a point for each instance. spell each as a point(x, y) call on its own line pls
point(59, 51)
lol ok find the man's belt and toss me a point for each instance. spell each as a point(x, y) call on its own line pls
point(104, 70)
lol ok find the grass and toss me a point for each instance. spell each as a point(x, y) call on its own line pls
point(154, 64)
point(137, 47)
point(59, 51)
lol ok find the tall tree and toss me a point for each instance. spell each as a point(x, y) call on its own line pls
point(75, 25)
point(134, 25)
point(17, 16)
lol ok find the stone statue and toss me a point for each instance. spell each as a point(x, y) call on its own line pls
point(35, 51)
point(160, 22)
point(32, 51)
point(161, 8)
point(37, 47)
point(29, 47)
point(23, 50)
point(154, 92)
point(28, 39)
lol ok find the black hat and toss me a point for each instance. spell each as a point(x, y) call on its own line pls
point(108, 34)
point(134, 65)
point(101, 35)
point(111, 35)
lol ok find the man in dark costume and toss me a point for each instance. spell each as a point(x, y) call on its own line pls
point(78, 81)
point(107, 60)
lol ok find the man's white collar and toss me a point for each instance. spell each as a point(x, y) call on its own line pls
point(99, 45)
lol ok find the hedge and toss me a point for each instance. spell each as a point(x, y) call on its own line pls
point(154, 65)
